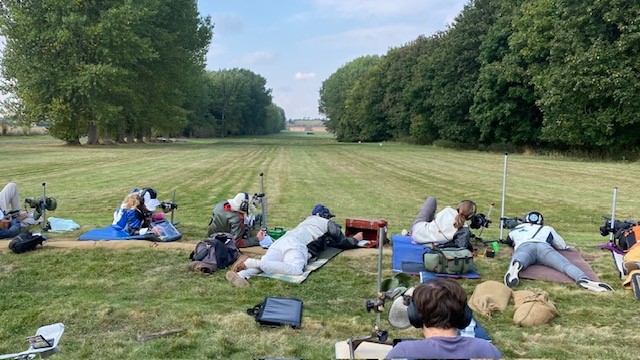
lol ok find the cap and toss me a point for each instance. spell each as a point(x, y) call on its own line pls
point(322, 211)
point(150, 198)
point(242, 202)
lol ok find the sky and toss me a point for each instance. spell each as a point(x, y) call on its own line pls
point(297, 44)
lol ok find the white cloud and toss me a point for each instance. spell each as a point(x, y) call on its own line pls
point(305, 76)
point(259, 58)
point(371, 40)
point(363, 9)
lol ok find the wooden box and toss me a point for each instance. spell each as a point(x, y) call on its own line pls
point(370, 229)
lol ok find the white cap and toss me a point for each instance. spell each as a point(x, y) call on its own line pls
point(150, 199)
point(236, 202)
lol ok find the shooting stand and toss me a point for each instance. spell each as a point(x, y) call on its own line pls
point(378, 335)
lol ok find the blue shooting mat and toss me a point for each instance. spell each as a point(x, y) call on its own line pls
point(407, 257)
point(169, 233)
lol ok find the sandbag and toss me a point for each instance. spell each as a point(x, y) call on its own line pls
point(533, 308)
point(490, 296)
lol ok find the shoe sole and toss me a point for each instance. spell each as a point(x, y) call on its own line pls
point(512, 282)
point(595, 286)
point(235, 279)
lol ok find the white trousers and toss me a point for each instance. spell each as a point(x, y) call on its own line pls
point(285, 256)
point(9, 198)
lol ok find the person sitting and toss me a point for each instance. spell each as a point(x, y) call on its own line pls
point(290, 253)
point(439, 307)
point(536, 243)
point(230, 216)
point(447, 228)
point(10, 201)
point(136, 213)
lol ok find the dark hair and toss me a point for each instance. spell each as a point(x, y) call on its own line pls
point(441, 303)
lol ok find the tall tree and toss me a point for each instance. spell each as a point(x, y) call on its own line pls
point(504, 107)
point(335, 89)
point(583, 58)
point(116, 65)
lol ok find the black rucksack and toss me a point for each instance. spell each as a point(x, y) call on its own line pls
point(25, 241)
point(219, 250)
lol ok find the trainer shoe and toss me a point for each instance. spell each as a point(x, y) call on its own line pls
point(236, 279)
point(239, 264)
point(629, 266)
point(511, 277)
point(594, 285)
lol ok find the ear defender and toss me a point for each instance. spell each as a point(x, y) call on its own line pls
point(534, 217)
point(244, 206)
point(141, 195)
point(416, 321)
point(413, 314)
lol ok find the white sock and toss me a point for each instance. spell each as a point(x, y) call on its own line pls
point(252, 263)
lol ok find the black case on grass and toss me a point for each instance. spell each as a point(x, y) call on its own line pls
point(275, 311)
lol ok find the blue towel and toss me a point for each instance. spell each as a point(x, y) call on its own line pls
point(62, 225)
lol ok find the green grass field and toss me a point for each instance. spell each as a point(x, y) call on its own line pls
point(107, 297)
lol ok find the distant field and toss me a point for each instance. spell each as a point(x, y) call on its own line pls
point(105, 297)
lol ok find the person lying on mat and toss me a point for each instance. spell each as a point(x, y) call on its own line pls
point(10, 202)
point(290, 253)
point(136, 213)
point(536, 243)
point(447, 228)
point(229, 216)
point(439, 308)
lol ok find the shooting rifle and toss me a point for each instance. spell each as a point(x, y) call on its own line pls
point(11, 215)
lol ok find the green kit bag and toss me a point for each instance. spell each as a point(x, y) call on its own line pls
point(449, 261)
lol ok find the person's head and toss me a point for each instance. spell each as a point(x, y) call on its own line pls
point(466, 209)
point(439, 303)
point(241, 202)
point(534, 217)
point(322, 211)
point(131, 201)
point(149, 198)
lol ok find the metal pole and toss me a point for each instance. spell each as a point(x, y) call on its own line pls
point(173, 201)
point(263, 202)
point(382, 231)
point(43, 205)
point(613, 214)
point(504, 191)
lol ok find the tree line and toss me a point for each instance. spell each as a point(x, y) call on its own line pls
point(124, 71)
point(561, 74)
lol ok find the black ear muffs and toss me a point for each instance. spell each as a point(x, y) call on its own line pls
point(141, 195)
point(413, 314)
point(416, 321)
point(244, 205)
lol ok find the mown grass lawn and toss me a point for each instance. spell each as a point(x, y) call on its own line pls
point(107, 297)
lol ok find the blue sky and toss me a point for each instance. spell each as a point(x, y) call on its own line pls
point(297, 44)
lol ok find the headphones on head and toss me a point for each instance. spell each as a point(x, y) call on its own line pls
point(416, 321)
point(244, 205)
point(141, 195)
point(534, 217)
point(473, 213)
